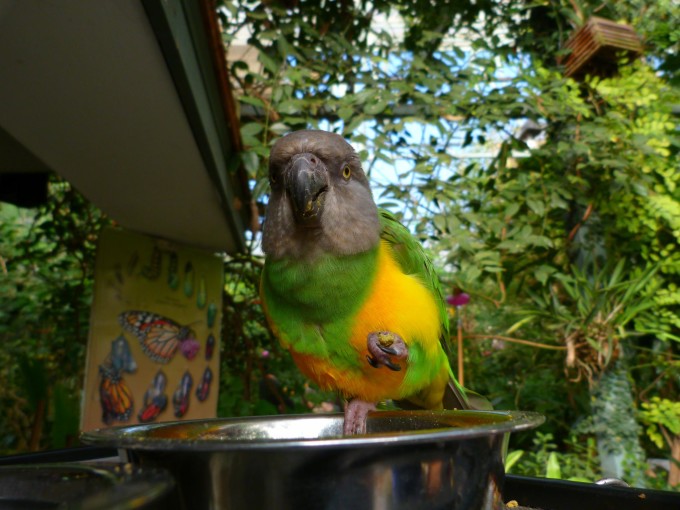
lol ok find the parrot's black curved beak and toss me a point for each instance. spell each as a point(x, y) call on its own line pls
point(306, 183)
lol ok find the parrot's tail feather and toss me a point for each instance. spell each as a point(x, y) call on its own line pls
point(406, 405)
point(477, 402)
point(455, 397)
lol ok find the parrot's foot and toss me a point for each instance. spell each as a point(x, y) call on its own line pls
point(384, 347)
point(355, 416)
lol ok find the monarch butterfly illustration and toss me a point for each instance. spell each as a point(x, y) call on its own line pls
point(155, 399)
point(159, 336)
point(114, 395)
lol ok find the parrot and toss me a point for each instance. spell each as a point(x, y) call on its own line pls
point(346, 288)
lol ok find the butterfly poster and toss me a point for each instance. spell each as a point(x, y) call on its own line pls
point(153, 348)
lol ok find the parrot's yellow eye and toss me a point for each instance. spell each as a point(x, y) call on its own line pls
point(346, 172)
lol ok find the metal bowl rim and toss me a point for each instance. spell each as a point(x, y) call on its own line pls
point(131, 437)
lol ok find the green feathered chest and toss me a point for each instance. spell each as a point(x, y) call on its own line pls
point(310, 304)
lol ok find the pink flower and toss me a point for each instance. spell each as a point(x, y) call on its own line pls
point(460, 299)
point(189, 347)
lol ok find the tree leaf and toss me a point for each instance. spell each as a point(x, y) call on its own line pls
point(552, 469)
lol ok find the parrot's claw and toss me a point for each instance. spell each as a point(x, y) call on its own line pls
point(372, 361)
point(356, 412)
point(377, 364)
point(383, 346)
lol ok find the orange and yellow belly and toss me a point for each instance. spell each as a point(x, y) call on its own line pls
point(403, 305)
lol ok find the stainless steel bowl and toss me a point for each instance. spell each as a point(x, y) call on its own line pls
point(75, 486)
point(408, 460)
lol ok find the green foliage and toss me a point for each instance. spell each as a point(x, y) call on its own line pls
point(589, 311)
point(524, 377)
point(659, 414)
point(662, 418)
point(543, 459)
point(47, 259)
point(65, 415)
point(614, 423)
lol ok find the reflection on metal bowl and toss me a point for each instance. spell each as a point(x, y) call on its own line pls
point(408, 460)
point(83, 487)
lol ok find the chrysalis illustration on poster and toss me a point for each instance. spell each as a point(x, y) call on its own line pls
point(153, 348)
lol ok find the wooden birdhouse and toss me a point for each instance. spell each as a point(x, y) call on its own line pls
point(596, 48)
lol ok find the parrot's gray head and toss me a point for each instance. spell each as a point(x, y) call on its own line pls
point(320, 199)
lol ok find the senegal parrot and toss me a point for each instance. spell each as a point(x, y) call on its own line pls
point(346, 288)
